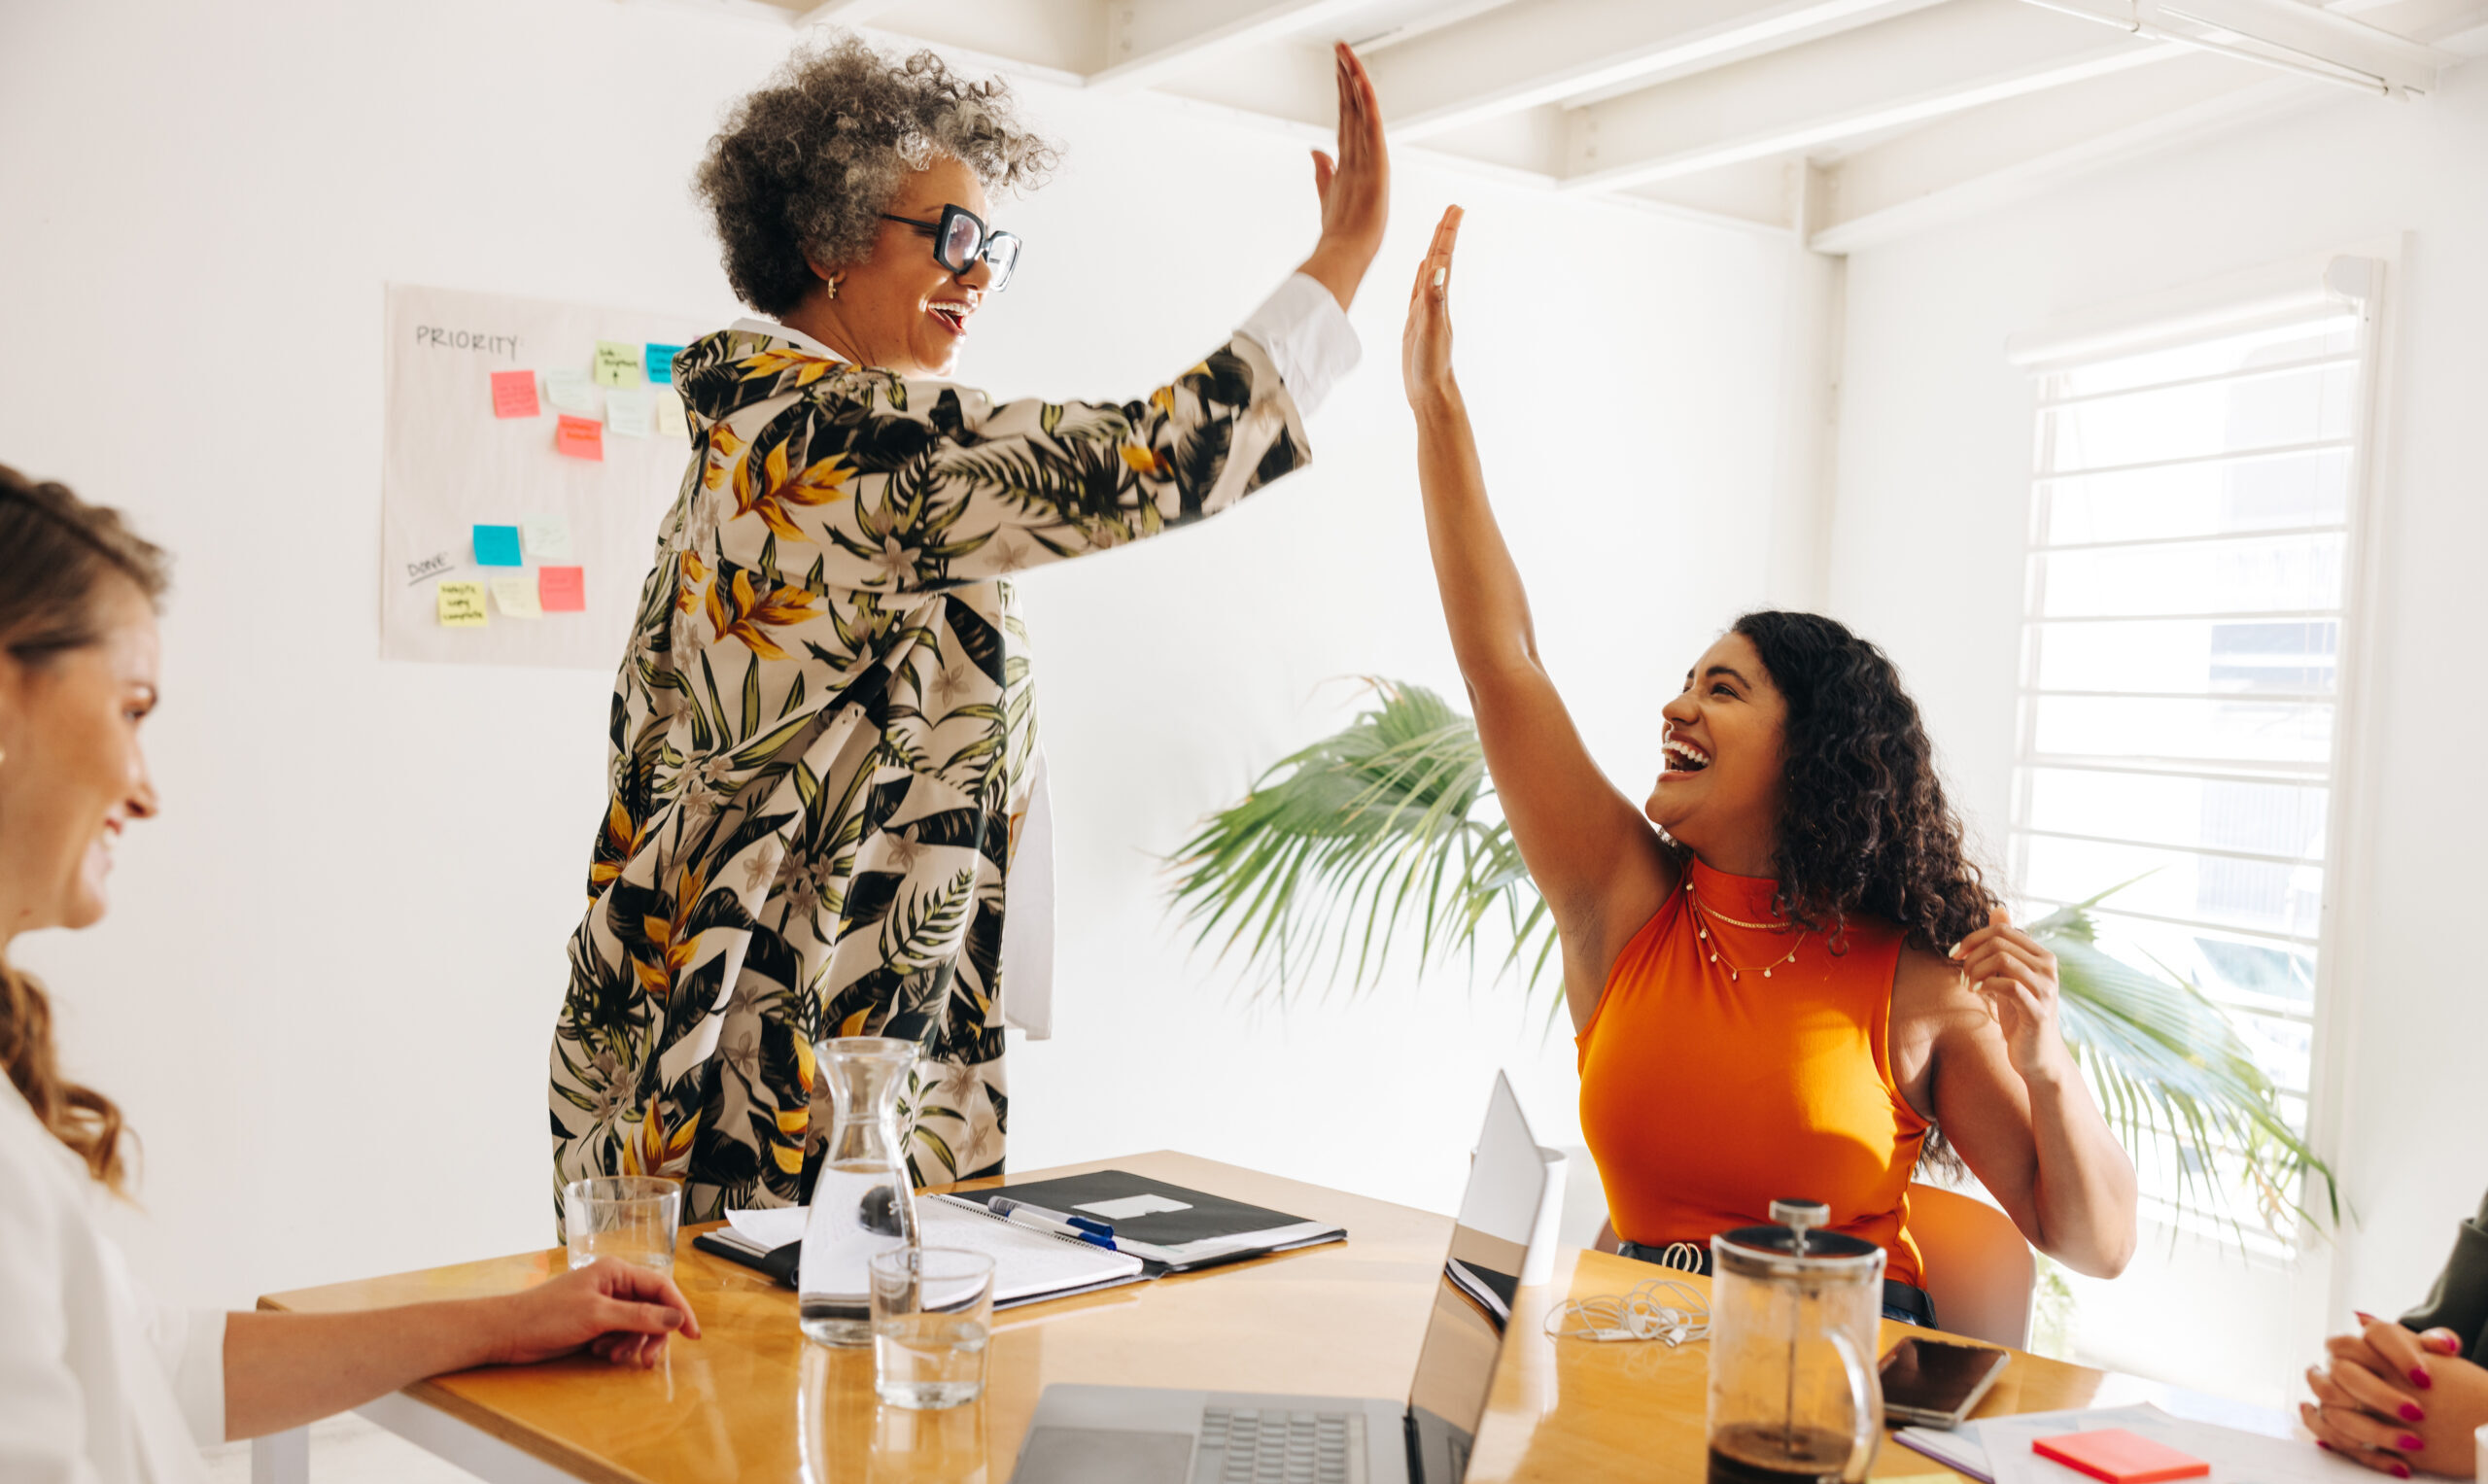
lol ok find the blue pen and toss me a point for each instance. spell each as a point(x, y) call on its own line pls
point(1039, 1219)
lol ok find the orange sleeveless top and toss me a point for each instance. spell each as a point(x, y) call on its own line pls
point(1703, 1098)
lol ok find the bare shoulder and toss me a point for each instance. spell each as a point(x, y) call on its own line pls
point(1930, 1003)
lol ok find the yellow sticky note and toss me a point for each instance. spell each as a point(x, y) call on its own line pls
point(664, 407)
point(462, 606)
point(517, 597)
point(617, 364)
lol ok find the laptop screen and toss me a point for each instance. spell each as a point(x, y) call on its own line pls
point(1473, 1299)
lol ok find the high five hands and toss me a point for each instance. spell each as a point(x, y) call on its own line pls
point(1355, 187)
point(2016, 975)
point(1425, 346)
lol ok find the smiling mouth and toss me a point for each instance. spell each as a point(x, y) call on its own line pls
point(954, 317)
point(1684, 758)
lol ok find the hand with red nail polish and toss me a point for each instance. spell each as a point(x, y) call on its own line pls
point(2369, 1405)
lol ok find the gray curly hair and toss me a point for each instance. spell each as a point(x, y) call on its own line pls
point(805, 165)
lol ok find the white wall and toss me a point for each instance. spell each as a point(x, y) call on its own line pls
point(1934, 480)
point(327, 989)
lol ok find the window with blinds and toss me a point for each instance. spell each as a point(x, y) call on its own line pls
point(2193, 513)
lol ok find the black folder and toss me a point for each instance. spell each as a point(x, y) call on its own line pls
point(1188, 1228)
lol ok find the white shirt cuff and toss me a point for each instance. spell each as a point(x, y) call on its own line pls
point(1307, 337)
point(198, 1370)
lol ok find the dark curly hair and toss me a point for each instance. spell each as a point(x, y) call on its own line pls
point(1864, 827)
point(805, 165)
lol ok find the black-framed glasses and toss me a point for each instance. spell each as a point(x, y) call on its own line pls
point(962, 237)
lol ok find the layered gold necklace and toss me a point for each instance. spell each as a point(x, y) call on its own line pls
point(1704, 916)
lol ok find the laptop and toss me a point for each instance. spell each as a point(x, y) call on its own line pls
point(1133, 1434)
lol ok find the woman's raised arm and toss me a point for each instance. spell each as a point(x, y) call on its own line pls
point(973, 490)
point(1596, 860)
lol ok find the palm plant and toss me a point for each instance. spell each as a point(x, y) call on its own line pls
point(1386, 832)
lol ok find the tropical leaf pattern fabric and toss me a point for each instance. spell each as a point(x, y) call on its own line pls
point(820, 745)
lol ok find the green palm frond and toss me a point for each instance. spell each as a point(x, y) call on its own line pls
point(1385, 831)
point(1363, 836)
point(2170, 1065)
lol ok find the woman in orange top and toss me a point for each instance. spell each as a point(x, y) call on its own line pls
point(1798, 975)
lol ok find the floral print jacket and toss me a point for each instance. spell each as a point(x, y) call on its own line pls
point(820, 743)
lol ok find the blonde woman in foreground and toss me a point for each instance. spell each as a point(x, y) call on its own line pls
point(97, 1384)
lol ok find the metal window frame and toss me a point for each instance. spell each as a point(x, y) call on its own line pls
point(2357, 285)
point(2253, 373)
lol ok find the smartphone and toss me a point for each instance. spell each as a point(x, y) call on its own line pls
point(1935, 1383)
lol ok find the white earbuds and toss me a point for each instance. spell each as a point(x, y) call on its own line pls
point(1659, 1309)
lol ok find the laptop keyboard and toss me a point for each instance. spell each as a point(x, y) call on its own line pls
point(1246, 1445)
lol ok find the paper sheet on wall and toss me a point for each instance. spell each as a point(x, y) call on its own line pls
point(451, 465)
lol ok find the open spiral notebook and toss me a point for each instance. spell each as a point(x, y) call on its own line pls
point(1028, 1265)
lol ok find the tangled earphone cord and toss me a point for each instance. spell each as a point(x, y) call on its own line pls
point(1659, 1309)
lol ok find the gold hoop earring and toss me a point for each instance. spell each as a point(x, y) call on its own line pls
point(829, 285)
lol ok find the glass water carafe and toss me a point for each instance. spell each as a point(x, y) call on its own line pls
point(862, 1202)
point(1795, 1320)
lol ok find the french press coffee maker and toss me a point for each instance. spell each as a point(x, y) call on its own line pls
point(1794, 1321)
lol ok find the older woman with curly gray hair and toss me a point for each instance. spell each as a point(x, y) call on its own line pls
point(825, 784)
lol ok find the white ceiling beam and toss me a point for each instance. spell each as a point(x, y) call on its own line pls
point(1523, 57)
point(1993, 156)
point(1916, 67)
point(2330, 44)
point(1397, 30)
point(1148, 40)
point(845, 13)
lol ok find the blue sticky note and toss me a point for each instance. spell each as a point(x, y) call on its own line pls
point(497, 546)
point(661, 363)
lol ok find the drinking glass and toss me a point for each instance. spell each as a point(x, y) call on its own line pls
point(630, 1216)
point(932, 1314)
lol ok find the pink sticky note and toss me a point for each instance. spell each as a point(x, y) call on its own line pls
point(562, 589)
point(579, 437)
point(514, 395)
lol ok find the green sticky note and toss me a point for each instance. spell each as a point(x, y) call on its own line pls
point(617, 364)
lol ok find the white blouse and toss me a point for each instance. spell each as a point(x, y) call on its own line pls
point(97, 1384)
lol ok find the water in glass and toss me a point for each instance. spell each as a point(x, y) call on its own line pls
point(932, 1315)
point(862, 1203)
point(630, 1216)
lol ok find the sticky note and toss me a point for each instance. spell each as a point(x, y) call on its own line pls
point(627, 412)
point(497, 546)
point(563, 589)
point(462, 606)
point(517, 597)
point(617, 364)
point(514, 395)
point(2120, 1456)
point(549, 538)
point(665, 409)
point(579, 438)
point(570, 390)
point(661, 363)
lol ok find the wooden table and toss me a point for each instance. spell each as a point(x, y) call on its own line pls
point(751, 1400)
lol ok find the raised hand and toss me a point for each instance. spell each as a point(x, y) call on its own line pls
point(1425, 346)
point(1355, 187)
point(2016, 975)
